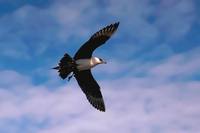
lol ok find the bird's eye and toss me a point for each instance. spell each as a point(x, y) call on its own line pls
point(100, 59)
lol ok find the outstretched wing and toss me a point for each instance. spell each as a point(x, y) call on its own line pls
point(91, 89)
point(95, 41)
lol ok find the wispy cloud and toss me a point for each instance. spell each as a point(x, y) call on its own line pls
point(176, 17)
point(140, 104)
point(61, 22)
point(22, 29)
point(161, 107)
point(10, 79)
point(178, 66)
point(147, 85)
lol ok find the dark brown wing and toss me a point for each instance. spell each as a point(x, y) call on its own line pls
point(95, 41)
point(91, 89)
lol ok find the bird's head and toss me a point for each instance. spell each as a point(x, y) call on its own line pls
point(99, 60)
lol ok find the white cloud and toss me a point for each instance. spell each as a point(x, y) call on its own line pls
point(147, 21)
point(180, 65)
point(133, 15)
point(30, 30)
point(21, 30)
point(134, 104)
point(140, 104)
point(10, 78)
point(61, 22)
point(175, 17)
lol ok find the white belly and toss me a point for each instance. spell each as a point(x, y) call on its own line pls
point(84, 64)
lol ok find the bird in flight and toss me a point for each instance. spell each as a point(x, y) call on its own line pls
point(81, 64)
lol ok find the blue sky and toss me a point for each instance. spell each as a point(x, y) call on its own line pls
point(151, 83)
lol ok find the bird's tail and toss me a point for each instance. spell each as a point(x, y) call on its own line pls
point(66, 66)
point(57, 67)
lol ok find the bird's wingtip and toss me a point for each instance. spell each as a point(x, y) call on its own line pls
point(103, 110)
point(97, 103)
point(117, 23)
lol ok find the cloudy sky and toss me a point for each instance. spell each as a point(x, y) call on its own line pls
point(151, 83)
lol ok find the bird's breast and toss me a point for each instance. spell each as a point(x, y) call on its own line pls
point(84, 64)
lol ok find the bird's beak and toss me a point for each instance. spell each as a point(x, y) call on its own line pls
point(104, 62)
